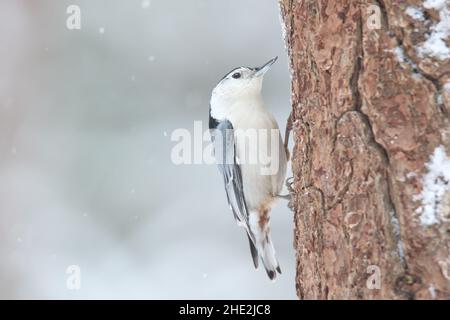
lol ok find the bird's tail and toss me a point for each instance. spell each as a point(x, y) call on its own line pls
point(263, 248)
point(254, 252)
point(269, 259)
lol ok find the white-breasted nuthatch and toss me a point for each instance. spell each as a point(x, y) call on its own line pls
point(253, 169)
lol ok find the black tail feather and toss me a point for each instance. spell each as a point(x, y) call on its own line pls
point(271, 274)
point(255, 256)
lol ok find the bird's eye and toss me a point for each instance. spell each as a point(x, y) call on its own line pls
point(236, 75)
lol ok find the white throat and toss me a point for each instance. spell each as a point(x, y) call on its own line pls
point(231, 102)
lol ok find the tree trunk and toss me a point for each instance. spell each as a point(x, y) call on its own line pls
point(371, 126)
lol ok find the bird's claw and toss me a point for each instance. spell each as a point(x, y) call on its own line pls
point(290, 197)
point(289, 183)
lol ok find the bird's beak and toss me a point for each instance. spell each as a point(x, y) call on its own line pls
point(262, 70)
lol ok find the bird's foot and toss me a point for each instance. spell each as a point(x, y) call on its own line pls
point(289, 197)
point(289, 183)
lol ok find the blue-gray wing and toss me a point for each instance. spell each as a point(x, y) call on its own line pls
point(223, 139)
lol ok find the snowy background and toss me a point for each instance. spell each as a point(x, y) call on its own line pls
point(85, 172)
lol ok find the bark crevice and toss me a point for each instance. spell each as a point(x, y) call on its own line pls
point(365, 118)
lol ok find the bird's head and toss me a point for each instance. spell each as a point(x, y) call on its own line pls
point(241, 82)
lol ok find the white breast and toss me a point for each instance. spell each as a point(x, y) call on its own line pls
point(262, 162)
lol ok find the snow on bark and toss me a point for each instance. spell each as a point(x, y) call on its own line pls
point(436, 187)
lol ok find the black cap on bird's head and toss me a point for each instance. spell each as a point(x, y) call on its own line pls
point(242, 81)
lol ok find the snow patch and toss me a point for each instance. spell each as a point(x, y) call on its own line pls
point(285, 38)
point(415, 13)
point(402, 58)
point(435, 45)
point(447, 86)
point(440, 99)
point(400, 54)
point(411, 175)
point(283, 27)
point(435, 184)
point(396, 228)
point(435, 4)
point(432, 291)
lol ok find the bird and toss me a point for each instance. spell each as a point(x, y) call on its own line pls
point(237, 114)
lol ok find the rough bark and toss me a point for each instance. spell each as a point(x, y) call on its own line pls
point(368, 113)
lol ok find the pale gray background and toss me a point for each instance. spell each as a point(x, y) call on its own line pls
point(85, 170)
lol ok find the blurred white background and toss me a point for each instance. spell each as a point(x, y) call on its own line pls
point(85, 172)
